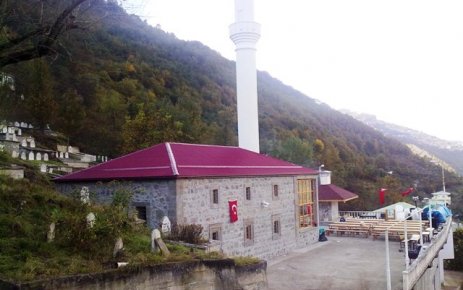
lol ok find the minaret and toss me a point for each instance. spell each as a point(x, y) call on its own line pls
point(245, 33)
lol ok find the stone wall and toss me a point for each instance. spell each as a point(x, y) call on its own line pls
point(16, 173)
point(158, 196)
point(10, 146)
point(217, 274)
point(189, 201)
point(307, 237)
point(194, 205)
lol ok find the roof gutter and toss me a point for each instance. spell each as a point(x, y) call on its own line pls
point(339, 200)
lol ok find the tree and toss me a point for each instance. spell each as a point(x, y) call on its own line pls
point(71, 113)
point(8, 97)
point(148, 129)
point(456, 264)
point(40, 35)
point(39, 100)
point(295, 150)
point(318, 148)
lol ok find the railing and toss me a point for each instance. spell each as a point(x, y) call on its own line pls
point(360, 214)
point(413, 272)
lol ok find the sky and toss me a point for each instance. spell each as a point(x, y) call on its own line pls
point(401, 60)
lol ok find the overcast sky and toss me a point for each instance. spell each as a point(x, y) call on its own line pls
point(400, 60)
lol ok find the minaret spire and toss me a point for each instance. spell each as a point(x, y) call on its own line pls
point(245, 33)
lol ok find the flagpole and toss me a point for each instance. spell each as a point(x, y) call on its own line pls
point(407, 259)
point(421, 230)
point(388, 264)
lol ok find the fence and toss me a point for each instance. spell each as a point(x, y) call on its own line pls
point(414, 271)
point(360, 214)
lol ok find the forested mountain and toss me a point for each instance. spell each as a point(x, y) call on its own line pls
point(120, 85)
point(451, 152)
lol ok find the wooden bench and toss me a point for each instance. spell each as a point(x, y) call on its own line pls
point(394, 231)
point(349, 228)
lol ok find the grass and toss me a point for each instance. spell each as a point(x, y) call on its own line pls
point(245, 261)
point(30, 205)
point(27, 209)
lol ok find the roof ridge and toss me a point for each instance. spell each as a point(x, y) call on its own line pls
point(204, 145)
point(173, 163)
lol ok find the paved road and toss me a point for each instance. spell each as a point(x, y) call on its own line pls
point(339, 263)
point(453, 280)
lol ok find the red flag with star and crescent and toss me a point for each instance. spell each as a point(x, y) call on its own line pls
point(382, 191)
point(233, 206)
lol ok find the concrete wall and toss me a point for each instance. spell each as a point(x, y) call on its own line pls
point(325, 212)
point(426, 272)
point(222, 274)
point(329, 211)
point(430, 280)
point(335, 210)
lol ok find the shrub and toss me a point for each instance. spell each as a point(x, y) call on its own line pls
point(190, 233)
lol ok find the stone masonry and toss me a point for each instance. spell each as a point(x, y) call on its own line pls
point(158, 196)
point(194, 206)
point(189, 201)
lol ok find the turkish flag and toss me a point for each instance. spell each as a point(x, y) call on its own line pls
point(408, 191)
point(382, 191)
point(233, 206)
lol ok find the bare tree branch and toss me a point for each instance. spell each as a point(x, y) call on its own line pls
point(15, 41)
point(46, 38)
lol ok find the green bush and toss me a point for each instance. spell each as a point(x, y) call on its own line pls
point(190, 233)
point(456, 264)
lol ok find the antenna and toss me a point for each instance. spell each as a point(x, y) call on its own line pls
point(443, 178)
point(441, 164)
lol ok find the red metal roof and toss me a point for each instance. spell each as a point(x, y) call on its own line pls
point(331, 192)
point(177, 160)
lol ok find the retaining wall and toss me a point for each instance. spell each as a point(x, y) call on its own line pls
point(194, 275)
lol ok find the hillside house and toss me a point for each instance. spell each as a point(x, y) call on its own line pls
point(441, 198)
point(247, 203)
point(396, 211)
